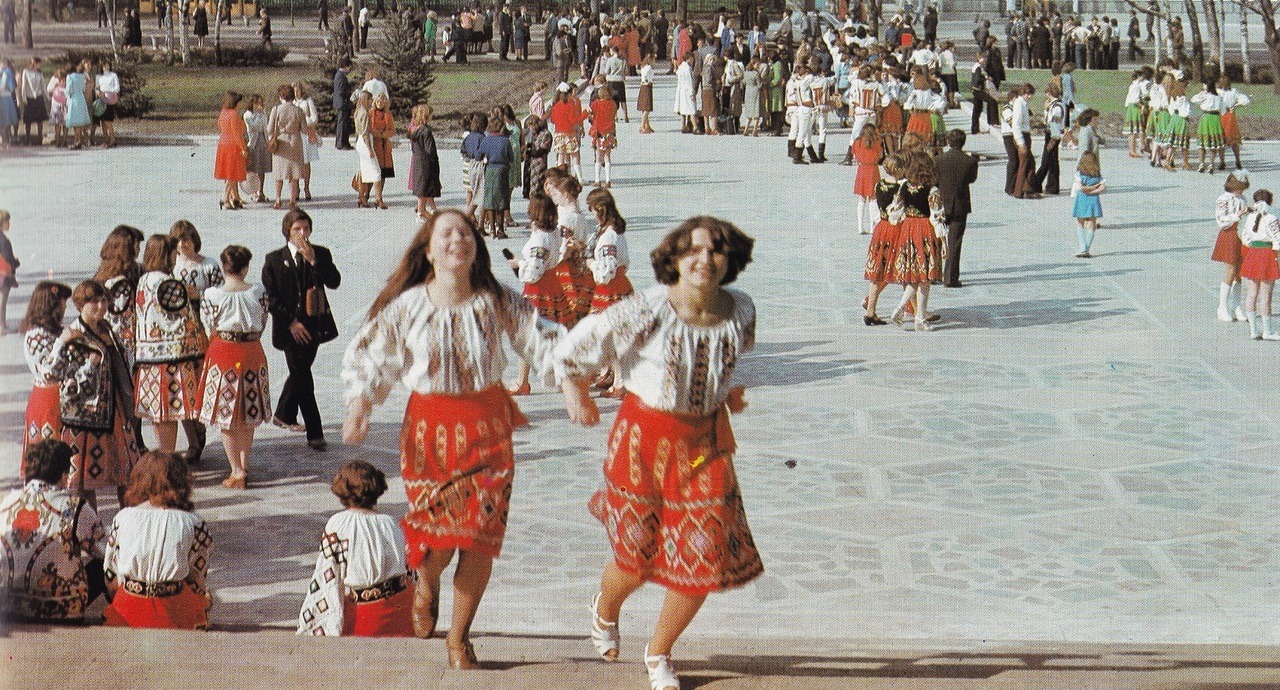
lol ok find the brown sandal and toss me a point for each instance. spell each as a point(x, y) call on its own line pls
point(463, 656)
point(426, 610)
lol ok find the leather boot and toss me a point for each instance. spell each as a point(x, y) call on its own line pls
point(848, 157)
point(197, 436)
point(791, 148)
point(813, 155)
point(822, 153)
point(797, 156)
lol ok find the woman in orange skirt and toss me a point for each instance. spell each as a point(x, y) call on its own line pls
point(536, 269)
point(868, 150)
point(671, 504)
point(40, 330)
point(891, 117)
point(228, 165)
point(1231, 99)
point(575, 278)
point(1228, 209)
point(158, 551)
point(918, 257)
point(881, 250)
point(439, 327)
point(1260, 239)
point(918, 104)
point(360, 587)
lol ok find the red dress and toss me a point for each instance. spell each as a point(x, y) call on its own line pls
point(918, 257)
point(868, 157)
point(229, 162)
point(884, 238)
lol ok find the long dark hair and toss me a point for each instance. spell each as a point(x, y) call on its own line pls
point(119, 254)
point(414, 269)
point(47, 306)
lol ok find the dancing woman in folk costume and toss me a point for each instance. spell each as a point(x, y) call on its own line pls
point(575, 231)
point(671, 503)
point(1230, 207)
point(536, 269)
point(118, 272)
point(169, 346)
point(1259, 232)
point(92, 368)
point(1231, 99)
point(1179, 125)
point(361, 586)
point(1134, 125)
point(1209, 131)
point(234, 390)
point(439, 327)
point(918, 256)
point(881, 249)
point(158, 551)
point(1158, 132)
point(40, 330)
point(608, 259)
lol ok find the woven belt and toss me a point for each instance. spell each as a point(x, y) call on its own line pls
point(382, 590)
point(1260, 245)
point(154, 590)
point(239, 336)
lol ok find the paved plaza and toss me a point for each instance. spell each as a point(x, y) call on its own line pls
point(1080, 454)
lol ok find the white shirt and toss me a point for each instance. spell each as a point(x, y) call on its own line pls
point(32, 85)
point(153, 545)
point(1208, 102)
point(1260, 226)
point(1231, 99)
point(38, 348)
point(375, 87)
point(308, 108)
point(572, 223)
point(1158, 98)
point(1229, 209)
point(1180, 106)
point(240, 311)
point(540, 254)
point(1021, 115)
point(108, 82)
point(201, 275)
point(359, 549)
point(646, 74)
point(449, 350)
point(1137, 89)
point(608, 255)
point(669, 364)
point(947, 62)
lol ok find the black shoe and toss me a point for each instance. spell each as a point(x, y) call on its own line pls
point(289, 426)
point(317, 444)
point(873, 321)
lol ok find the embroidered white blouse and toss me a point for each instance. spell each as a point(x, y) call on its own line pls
point(540, 254)
point(1229, 209)
point(201, 275)
point(572, 223)
point(1137, 91)
point(1180, 106)
point(669, 364)
point(38, 348)
point(449, 350)
point(153, 544)
point(359, 549)
point(38, 529)
point(608, 255)
point(1232, 99)
point(241, 311)
point(1208, 102)
point(1259, 227)
point(1157, 97)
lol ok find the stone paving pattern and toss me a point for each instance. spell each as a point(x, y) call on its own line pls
point(1078, 452)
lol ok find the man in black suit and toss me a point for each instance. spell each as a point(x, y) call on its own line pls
point(298, 324)
point(342, 106)
point(956, 171)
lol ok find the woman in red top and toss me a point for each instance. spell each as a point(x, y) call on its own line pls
point(566, 119)
point(228, 164)
point(604, 130)
point(868, 152)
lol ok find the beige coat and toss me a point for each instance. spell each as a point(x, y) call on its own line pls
point(287, 125)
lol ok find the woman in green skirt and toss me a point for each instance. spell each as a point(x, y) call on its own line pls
point(1209, 131)
point(495, 151)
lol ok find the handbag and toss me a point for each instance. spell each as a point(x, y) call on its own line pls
point(99, 107)
point(273, 145)
point(111, 97)
point(315, 302)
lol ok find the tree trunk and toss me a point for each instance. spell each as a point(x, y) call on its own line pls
point(1267, 9)
point(168, 40)
point(186, 32)
point(1246, 67)
point(1215, 31)
point(1197, 43)
point(217, 33)
point(111, 28)
point(27, 40)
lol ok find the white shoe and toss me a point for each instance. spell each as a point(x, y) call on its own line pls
point(1241, 315)
point(922, 325)
point(604, 635)
point(1267, 335)
point(896, 317)
point(661, 674)
point(1225, 315)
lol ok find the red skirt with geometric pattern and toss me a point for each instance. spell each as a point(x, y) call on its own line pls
point(44, 418)
point(578, 286)
point(918, 256)
point(547, 296)
point(457, 462)
point(880, 253)
point(671, 502)
point(234, 388)
point(168, 391)
point(110, 454)
point(608, 294)
point(185, 610)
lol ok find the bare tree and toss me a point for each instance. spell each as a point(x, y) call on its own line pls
point(217, 32)
point(1197, 43)
point(186, 31)
point(111, 29)
point(1161, 15)
point(1245, 64)
point(27, 40)
point(1215, 30)
point(1266, 9)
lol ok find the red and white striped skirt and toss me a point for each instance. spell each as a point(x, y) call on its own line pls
point(458, 464)
point(43, 420)
point(168, 391)
point(234, 388)
point(671, 502)
point(604, 296)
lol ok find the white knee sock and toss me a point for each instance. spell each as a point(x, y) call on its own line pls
point(608, 171)
point(1237, 308)
point(1224, 302)
point(862, 205)
point(597, 171)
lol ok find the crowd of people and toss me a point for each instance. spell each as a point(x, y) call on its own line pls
point(75, 102)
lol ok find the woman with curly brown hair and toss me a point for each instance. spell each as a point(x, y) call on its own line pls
point(40, 330)
point(918, 259)
point(158, 551)
point(671, 499)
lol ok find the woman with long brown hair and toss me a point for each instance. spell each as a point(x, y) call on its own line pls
point(438, 327)
point(40, 330)
point(118, 272)
point(918, 260)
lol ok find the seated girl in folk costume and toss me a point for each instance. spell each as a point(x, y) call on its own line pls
point(361, 586)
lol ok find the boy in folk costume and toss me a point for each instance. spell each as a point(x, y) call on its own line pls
point(792, 100)
point(821, 86)
point(864, 99)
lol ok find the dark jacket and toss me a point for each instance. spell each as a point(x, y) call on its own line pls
point(425, 164)
point(956, 171)
point(92, 377)
point(286, 296)
point(341, 90)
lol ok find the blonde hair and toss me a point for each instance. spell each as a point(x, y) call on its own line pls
point(420, 114)
point(1089, 164)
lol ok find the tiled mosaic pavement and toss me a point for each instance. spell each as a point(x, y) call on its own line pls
point(1079, 452)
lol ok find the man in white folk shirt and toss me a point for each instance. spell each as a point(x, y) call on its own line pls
point(802, 116)
point(864, 99)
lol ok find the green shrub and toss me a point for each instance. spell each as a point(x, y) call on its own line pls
point(133, 102)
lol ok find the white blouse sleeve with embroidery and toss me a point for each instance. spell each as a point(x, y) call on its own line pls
point(540, 254)
point(604, 260)
point(376, 357)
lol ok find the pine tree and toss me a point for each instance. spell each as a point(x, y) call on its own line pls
point(402, 66)
point(336, 48)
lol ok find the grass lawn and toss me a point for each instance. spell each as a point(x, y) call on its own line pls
point(1104, 91)
point(187, 100)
